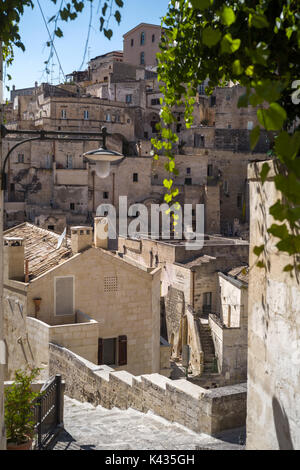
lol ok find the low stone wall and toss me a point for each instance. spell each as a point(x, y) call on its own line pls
point(82, 338)
point(207, 411)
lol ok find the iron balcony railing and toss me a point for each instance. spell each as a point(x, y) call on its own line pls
point(47, 412)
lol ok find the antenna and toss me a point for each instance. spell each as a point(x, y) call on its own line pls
point(61, 239)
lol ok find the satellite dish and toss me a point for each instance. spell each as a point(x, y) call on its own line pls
point(61, 239)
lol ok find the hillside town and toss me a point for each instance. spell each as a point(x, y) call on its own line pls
point(146, 322)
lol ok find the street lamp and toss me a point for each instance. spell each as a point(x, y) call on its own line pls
point(103, 157)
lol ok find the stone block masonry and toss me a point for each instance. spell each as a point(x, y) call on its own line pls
point(203, 411)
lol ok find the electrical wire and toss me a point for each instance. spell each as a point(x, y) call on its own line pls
point(51, 39)
point(88, 36)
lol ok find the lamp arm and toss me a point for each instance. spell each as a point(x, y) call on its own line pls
point(3, 175)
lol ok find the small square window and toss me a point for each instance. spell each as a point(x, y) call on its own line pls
point(153, 37)
point(72, 206)
point(63, 114)
point(132, 42)
point(20, 158)
point(105, 195)
point(128, 99)
point(135, 177)
point(188, 171)
point(188, 181)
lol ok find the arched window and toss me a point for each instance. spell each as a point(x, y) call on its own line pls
point(142, 38)
point(142, 58)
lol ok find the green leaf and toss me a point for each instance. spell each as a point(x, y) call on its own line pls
point(272, 118)
point(168, 183)
point(118, 16)
point(243, 101)
point(229, 45)
point(269, 90)
point(228, 16)
point(258, 250)
point(287, 146)
point(254, 137)
point(211, 37)
point(264, 172)
point(237, 68)
point(288, 268)
point(261, 265)
point(108, 33)
point(58, 32)
point(258, 21)
point(201, 4)
point(279, 231)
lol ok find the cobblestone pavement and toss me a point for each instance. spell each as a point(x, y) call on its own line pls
point(90, 428)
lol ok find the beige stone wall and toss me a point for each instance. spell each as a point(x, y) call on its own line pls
point(208, 411)
point(273, 419)
point(137, 298)
point(230, 349)
point(18, 350)
point(132, 52)
point(227, 111)
point(81, 338)
point(194, 341)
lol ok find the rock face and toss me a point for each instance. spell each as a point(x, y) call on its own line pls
point(88, 427)
point(273, 416)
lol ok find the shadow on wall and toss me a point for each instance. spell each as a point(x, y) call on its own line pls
point(282, 426)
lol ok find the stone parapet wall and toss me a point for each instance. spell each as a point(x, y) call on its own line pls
point(207, 411)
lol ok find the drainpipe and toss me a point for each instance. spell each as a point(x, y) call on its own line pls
point(113, 189)
point(193, 290)
point(26, 271)
point(93, 174)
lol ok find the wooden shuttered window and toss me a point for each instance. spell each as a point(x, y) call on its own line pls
point(122, 350)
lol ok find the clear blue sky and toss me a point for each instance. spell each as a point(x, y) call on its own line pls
point(29, 66)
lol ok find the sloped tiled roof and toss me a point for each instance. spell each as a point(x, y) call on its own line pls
point(241, 273)
point(197, 261)
point(40, 248)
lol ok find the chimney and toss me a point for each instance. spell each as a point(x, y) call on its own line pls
point(14, 258)
point(101, 232)
point(81, 238)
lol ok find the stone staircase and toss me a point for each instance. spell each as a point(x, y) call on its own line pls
point(208, 347)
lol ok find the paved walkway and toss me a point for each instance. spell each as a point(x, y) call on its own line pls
point(90, 428)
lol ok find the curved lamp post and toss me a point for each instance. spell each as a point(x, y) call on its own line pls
point(103, 157)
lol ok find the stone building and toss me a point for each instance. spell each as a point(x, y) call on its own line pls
point(122, 94)
point(229, 326)
point(273, 417)
point(196, 300)
point(141, 44)
point(77, 294)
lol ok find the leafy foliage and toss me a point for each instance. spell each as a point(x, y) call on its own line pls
point(255, 44)
point(19, 407)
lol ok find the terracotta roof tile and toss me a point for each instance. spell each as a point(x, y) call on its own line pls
point(40, 248)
